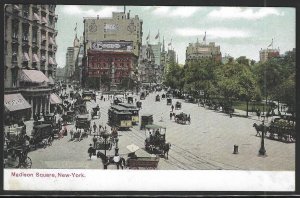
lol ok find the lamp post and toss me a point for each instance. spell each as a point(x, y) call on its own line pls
point(105, 135)
point(117, 148)
point(262, 150)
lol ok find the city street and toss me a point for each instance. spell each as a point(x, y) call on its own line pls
point(206, 144)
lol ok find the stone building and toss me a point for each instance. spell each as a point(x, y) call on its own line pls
point(71, 57)
point(266, 54)
point(198, 51)
point(119, 38)
point(29, 55)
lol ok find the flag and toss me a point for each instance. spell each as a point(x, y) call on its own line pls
point(204, 38)
point(170, 43)
point(156, 37)
point(271, 43)
point(147, 38)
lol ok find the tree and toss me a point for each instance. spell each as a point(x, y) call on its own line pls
point(236, 81)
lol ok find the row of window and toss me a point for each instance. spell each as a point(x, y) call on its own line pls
point(105, 64)
point(110, 59)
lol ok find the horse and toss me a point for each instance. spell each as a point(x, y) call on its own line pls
point(259, 128)
point(166, 147)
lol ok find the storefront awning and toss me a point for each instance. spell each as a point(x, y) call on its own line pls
point(55, 99)
point(25, 57)
point(35, 58)
point(36, 17)
point(15, 102)
point(34, 76)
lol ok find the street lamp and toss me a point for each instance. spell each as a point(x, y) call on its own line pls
point(117, 148)
point(262, 150)
point(105, 135)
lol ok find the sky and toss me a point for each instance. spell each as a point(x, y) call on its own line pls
point(239, 31)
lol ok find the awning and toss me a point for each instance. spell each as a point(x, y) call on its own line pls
point(51, 81)
point(35, 58)
point(51, 41)
point(55, 99)
point(51, 62)
point(15, 102)
point(44, 20)
point(25, 57)
point(34, 76)
point(16, 7)
point(36, 17)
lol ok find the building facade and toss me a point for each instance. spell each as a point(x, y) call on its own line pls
point(110, 64)
point(119, 38)
point(71, 58)
point(198, 51)
point(266, 54)
point(29, 53)
point(120, 27)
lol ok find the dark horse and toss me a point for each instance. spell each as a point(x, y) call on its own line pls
point(260, 128)
point(166, 147)
point(110, 160)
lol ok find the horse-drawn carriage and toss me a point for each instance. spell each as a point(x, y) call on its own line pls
point(139, 104)
point(146, 119)
point(143, 162)
point(88, 95)
point(182, 118)
point(155, 142)
point(169, 101)
point(95, 112)
point(279, 129)
point(189, 99)
point(68, 117)
point(49, 119)
point(157, 98)
point(177, 105)
point(41, 134)
point(163, 96)
point(83, 122)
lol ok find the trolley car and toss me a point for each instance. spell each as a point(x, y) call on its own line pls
point(134, 110)
point(120, 117)
point(88, 95)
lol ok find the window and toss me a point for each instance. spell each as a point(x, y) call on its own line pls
point(15, 29)
point(25, 11)
point(34, 35)
point(14, 74)
point(25, 32)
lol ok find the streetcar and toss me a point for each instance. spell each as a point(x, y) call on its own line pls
point(88, 95)
point(134, 110)
point(120, 117)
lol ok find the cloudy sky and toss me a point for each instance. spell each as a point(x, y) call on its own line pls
point(240, 31)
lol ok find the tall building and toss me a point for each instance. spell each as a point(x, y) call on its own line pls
point(266, 54)
point(71, 56)
point(120, 27)
point(30, 66)
point(156, 49)
point(111, 46)
point(197, 51)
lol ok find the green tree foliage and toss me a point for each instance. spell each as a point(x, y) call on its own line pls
point(174, 77)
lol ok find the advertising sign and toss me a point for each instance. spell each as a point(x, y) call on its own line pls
point(113, 46)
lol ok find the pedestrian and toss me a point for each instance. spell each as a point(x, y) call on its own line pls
point(100, 126)
point(95, 127)
point(189, 119)
point(90, 151)
point(94, 140)
point(71, 133)
point(171, 115)
point(172, 107)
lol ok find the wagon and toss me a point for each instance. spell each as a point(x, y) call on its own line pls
point(83, 122)
point(145, 120)
point(181, 118)
point(155, 142)
point(130, 99)
point(178, 105)
point(143, 162)
point(169, 101)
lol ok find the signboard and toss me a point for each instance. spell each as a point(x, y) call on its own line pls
point(113, 46)
point(111, 27)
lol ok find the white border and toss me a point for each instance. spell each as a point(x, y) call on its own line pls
point(150, 180)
